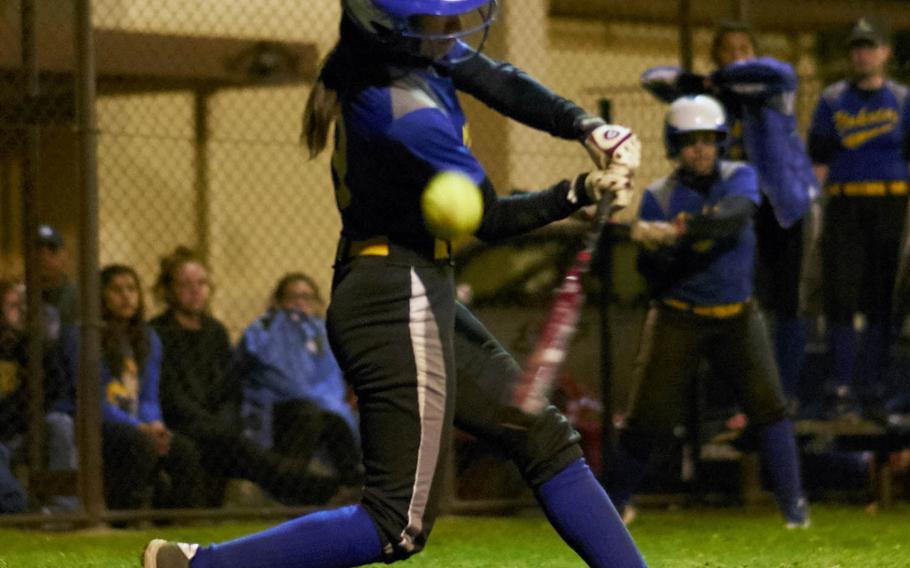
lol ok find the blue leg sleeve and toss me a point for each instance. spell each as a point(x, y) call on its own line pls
point(780, 455)
point(582, 514)
point(842, 351)
point(789, 349)
point(327, 539)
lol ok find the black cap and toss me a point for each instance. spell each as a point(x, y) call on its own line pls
point(866, 30)
point(49, 237)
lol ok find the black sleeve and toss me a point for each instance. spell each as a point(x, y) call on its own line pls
point(515, 214)
point(231, 380)
point(512, 92)
point(725, 220)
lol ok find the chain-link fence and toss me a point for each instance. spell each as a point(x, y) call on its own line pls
point(206, 196)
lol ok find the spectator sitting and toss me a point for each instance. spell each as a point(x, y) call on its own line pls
point(294, 395)
point(61, 449)
point(13, 498)
point(201, 395)
point(58, 290)
point(142, 457)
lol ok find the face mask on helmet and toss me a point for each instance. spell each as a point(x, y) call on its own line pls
point(435, 30)
point(691, 114)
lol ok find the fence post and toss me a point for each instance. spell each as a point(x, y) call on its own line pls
point(88, 396)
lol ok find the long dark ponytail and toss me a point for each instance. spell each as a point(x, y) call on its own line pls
point(355, 63)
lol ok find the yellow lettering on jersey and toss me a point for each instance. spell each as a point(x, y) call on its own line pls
point(116, 393)
point(867, 124)
point(466, 135)
point(857, 139)
point(340, 165)
point(864, 118)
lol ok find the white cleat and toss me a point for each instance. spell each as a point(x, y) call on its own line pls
point(168, 554)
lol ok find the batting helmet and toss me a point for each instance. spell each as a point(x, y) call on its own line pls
point(398, 24)
point(690, 114)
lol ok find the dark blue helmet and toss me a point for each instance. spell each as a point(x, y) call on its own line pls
point(406, 25)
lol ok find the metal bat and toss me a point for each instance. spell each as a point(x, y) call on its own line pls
point(556, 335)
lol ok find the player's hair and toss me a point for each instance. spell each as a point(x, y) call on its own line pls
point(169, 266)
point(731, 27)
point(135, 329)
point(355, 63)
point(290, 278)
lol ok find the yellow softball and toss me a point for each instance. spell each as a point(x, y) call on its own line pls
point(452, 205)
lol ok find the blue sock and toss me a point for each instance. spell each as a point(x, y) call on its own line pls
point(779, 453)
point(581, 512)
point(842, 351)
point(789, 348)
point(626, 467)
point(327, 539)
point(872, 360)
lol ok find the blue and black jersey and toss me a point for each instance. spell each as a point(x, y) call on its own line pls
point(861, 135)
point(713, 263)
point(391, 139)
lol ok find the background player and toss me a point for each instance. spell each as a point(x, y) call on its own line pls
point(393, 322)
point(698, 257)
point(859, 142)
point(758, 95)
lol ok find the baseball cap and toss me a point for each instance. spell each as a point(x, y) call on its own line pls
point(49, 236)
point(867, 30)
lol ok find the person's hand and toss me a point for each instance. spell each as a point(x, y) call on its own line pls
point(613, 144)
point(615, 182)
point(159, 435)
point(654, 234)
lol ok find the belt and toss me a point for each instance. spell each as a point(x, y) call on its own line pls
point(719, 311)
point(382, 246)
point(867, 188)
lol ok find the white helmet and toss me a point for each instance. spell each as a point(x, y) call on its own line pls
point(693, 113)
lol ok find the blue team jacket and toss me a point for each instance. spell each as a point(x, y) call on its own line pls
point(710, 273)
point(861, 135)
point(762, 92)
point(285, 356)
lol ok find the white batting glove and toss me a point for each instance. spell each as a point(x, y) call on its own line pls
point(613, 144)
point(616, 180)
point(654, 234)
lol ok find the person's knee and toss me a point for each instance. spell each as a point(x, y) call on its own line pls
point(769, 413)
point(544, 445)
point(401, 535)
point(60, 424)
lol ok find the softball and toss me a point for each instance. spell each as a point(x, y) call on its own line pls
point(452, 205)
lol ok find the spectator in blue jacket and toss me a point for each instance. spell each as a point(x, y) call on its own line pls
point(142, 457)
point(295, 399)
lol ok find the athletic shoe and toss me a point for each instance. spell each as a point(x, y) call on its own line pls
point(168, 554)
point(797, 514)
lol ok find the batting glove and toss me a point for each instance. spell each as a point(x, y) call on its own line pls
point(654, 234)
point(616, 181)
point(613, 144)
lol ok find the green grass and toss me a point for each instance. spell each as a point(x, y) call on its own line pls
point(708, 538)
